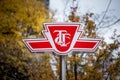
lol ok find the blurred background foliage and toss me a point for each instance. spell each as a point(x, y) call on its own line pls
point(22, 19)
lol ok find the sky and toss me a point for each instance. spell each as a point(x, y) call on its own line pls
point(61, 7)
point(96, 6)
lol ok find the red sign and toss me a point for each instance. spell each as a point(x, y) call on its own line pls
point(62, 38)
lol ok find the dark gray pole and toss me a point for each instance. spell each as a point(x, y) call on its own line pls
point(75, 68)
point(62, 68)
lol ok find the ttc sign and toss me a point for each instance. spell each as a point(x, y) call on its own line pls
point(62, 38)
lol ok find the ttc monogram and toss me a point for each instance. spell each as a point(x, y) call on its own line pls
point(61, 37)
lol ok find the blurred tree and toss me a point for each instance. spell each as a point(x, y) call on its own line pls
point(20, 19)
point(101, 65)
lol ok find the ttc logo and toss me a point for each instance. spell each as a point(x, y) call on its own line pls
point(62, 38)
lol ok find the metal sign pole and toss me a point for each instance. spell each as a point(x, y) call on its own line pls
point(62, 68)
